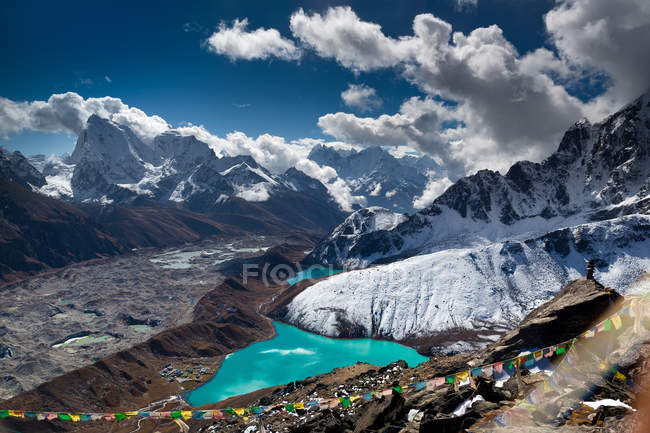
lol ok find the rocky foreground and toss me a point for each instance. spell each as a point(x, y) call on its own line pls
point(609, 366)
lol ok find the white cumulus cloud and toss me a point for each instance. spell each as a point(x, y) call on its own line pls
point(68, 112)
point(237, 42)
point(340, 34)
point(361, 97)
point(432, 191)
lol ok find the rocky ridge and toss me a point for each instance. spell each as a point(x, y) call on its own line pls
point(598, 172)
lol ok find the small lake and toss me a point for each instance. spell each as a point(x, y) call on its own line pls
point(294, 355)
point(313, 272)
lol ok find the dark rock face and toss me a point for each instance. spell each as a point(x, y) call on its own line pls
point(575, 307)
point(14, 167)
point(6, 351)
point(381, 413)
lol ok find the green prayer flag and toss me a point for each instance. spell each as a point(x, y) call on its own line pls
point(65, 417)
point(608, 325)
point(398, 389)
point(175, 414)
point(289, 407)
point(560, 350)
point(4, 413)
point(345, 401)
point(449, 379)
point(229, 410)
point(121, 415)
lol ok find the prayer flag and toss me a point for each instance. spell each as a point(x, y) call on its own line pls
point(498, 367)
point(616, 321)
point(387, 392)
point(289, 407)
point(439, 381)
point(186, 414)
point(198, 414)
point(345, 402)
point(354, 397)
point(449, 379)
point(4, 413)
point(607, 326)
point(75, 417)
point(619, 375)
point(477, 371)
point(299, 405)
point(538, 355)
point(64, 416)
point(121, 415)
point(398, 389)
point(560, 349)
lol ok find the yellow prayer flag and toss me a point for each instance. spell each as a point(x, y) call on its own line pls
point(299, 405)
point(463, 375)
point(620, 375)
point(240, 412)
point(186, 414)
point(16, 413)
point(75, 417)
point(355, 397)
point(132, 413)
point(617, 322)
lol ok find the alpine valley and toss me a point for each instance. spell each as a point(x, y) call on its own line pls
point(127, 259)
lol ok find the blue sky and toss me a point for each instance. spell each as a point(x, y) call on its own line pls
point(157, 66)
point(502, 79)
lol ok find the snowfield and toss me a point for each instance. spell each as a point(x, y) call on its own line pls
point(488, 288)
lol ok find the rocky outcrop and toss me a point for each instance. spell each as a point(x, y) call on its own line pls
point(568, 314)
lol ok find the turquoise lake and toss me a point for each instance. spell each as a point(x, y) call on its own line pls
point(313, 272)
point(294, 355)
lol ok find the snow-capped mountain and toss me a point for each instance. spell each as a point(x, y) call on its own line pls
point(16, 168)
point(110, 164)
point(463, 298)
point(492, 247)
point(381, 178)
point(598, 172)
